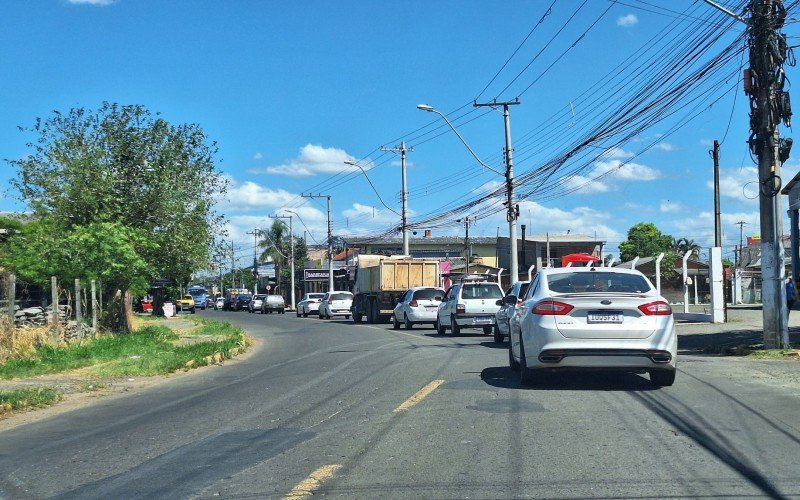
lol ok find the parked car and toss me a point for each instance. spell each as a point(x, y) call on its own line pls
point(593, 318)
point(309, 304)
point(336, 304)
point(469, 304)
point(507, 311)
point(242, 302)
point(185, 303)
point(273, 303)
point(219, 304)
point(255, 303)
point(417, 306)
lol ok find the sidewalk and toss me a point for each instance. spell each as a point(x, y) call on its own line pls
point(744, 326)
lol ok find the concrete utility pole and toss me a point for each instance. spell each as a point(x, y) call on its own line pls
point(330, 237)
point(717, 222)
point(467, 249)
point(512, 210)
point(403, 191)
point(255, 234)
point(741, 224)
point(233, 264)
point(767, 112)
point(291, 253)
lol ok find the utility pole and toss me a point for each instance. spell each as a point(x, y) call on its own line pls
point(291, 253)
point(738, 257)
point(255, 233)
point(403, 191)
point(717, 215)
point(512, 210)
point(233, 264)
point(764, 84)
point(330, 237)
point(467, 249)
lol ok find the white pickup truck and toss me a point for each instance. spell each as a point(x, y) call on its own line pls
point(469, 305)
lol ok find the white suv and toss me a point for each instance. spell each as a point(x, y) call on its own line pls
point(469, 305)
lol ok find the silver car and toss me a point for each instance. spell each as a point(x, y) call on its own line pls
point(255, 304)
point(417, 306)
point(507, 311)
point(593, 318)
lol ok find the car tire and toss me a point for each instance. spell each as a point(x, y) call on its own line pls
point(662, 378)
point(498, 337)
point(512, 363)
point(455, 329)
point(526, 375)
point(356, 318)
point(440, 329)
point(193, 310)
point(298, 313)
point(305, 314)
point(408, 324)
point(395, 323)
point(346, 316)
point(487, 330)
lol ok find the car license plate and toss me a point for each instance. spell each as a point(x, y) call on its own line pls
point(431, 308)
point(483, 319)
point(604, 317)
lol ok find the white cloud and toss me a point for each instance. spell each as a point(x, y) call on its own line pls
point(249, 195)
point(627, 21)
point(706, 142)
point(312, 160)
point(99, 3)
point(625, 171)
point(397, 163)
point(671, 206)
point(618, 153)
point(488, 187)
point(586, 184)
point(583, 220)
point(740, 184)
point(257, 156)
point(664, 146)
point(700, 227)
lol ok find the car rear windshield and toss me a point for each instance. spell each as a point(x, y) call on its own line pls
point(429, 294)
point(597, 282)
point(341, 296)
point(315, 295)
point(259, 297)
point(243, 297)
point(482, 291)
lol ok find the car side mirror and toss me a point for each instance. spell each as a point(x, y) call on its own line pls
point(510, 300)
point(499, 302)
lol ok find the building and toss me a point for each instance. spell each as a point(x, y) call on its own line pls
point(452, 248)
point(539, 248)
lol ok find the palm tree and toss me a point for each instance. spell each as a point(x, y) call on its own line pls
point(684, 245)
point(275, 245)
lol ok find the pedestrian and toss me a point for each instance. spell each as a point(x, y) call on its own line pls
point(789, 295)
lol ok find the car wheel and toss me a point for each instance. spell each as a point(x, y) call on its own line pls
point(346, 316)
point(662, 378)
point(193, 310)
point(454, 327)
point(395, 323)
point(305, 315)
point(409, 325)
point(440, 329)
point(298, 313)
point(498, 337)
point(356, 318)
point(526, 375)
point(487, 330)
point(512, 363)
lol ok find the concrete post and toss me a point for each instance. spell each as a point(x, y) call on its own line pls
point(78, 311)
point(12, 295)
point(54, 295)
point(94, 308)
point(634, 262)
point(717, 286)
point(658, 271)
point(685, 285)
point(530, 272)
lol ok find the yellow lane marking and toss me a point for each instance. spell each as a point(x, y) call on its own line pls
point(309, 485)
point(419, 396)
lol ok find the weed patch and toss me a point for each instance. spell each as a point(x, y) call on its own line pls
point(36, 397)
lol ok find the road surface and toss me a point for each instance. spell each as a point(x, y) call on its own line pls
point(365, 412)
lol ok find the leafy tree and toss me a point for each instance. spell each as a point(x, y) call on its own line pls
point(684, 245)
point(122, 175)
point(644, 240)
point(276, 243)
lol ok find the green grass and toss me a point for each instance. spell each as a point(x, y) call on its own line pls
point(36, 397)
point(149, 351)
point(774, 354)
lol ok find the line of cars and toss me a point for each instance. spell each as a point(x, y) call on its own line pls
point(568, 318)
point(261, 303)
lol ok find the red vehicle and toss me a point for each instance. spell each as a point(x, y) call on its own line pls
point(147, 305)
point(578, 260)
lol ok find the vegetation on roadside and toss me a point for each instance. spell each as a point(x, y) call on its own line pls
point(35, 397)
point(753, 351)
point(151, 350)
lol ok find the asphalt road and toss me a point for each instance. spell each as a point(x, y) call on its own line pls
point(315, 408)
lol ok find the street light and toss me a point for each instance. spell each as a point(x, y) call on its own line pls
point(509, 177)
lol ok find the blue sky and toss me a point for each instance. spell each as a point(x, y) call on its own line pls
point(290, 90)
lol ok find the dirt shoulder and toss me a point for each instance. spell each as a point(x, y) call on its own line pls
point(78, 389)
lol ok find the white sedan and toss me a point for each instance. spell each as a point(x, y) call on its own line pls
point(336, 304)
point(593, 318)
point(309, 304)
point(417, 306)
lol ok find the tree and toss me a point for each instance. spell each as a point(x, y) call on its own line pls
point(644, 240)
point(684, 245)
point(124, 177)
point(277, 246)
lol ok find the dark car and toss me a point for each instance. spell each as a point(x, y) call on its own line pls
point(242, 302)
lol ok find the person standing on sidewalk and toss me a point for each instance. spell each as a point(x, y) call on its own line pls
point(789, 295)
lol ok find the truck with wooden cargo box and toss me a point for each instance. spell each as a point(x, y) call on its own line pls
point(381, 280)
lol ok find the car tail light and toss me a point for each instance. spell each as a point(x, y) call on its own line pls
point(552, 308)
point(657, 308)
point(413, 303)
point(460, 308)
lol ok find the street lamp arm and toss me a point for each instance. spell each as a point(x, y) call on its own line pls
point(430, 109)
point(347, 162)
